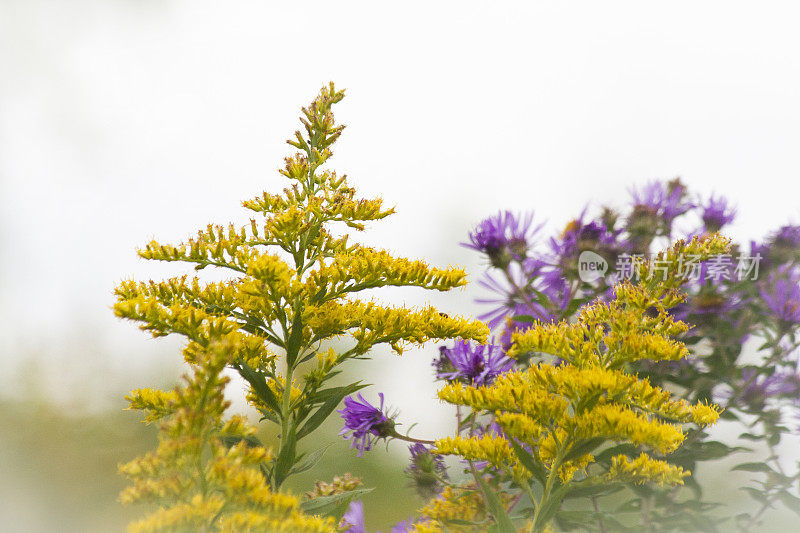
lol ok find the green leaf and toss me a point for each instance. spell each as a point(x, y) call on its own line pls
point(751, 436)
point(753, 467)
point(295, 337)
point(584, 447)
point(619, 449)
point(573, 306)
point(312, 459)
point(529, 461)
point(504, 523)
point(634, 505)
point(323, 395)
point(571, 520)
point(286, 458)
point(333, 397)
point(259, 384)
point(522, 318)
point(232, 440)
point(552, 505)
point(791, 501)
point(334, 505)
point(757, 495)
point(711, 450)
point(319, 416)
point(592, 490)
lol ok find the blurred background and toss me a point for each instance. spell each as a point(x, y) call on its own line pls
point(124, 120)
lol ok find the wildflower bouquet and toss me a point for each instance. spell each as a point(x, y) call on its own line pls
point(579, 424)
point(588, 410)
point(749, 293)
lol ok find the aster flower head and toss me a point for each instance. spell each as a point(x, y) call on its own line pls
point(668, 199)
point(655, 206)
point(538, 289)
point(782, 296)
point(782, 246)
point(353, 518)
point(503, 237)
point(472, 363)
point(426, 470)
point(788, 235)
point(580, 235)
point(759, 389)
point(365, 423)
point(717, 212)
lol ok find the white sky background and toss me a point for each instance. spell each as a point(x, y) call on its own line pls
point(125, 120)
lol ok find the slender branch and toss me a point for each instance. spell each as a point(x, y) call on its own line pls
point(600, 522)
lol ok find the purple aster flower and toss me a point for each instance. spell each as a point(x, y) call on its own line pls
point(353, 518)
point(655, 206)
point(708, 305)
point(782, 295)
point(758, 389)
point(426, 469)
point(579, 235)
point(503, 237)
point(668, 199)
point(541, 292)
point(781, 247)
point(788, 235)
point(475, 364)
point(717, 213)
point(365, 423)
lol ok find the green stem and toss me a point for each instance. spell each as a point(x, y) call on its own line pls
point(286, 414)
point(396, 435)
point(473, 470)
point(600, 522)
point(544, 503)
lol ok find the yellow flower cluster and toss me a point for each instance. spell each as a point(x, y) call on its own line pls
point(490, 448)
point(205, 474)
point(156, 403)
point(459, 508)
point(364, 268)
point(292, 282)
point(555, 417)
point(369, 324)
point(643, 469)
point(292, 279)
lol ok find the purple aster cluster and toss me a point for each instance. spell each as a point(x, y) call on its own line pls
point(716, 213)
point(788, 236)
point(656, 205)
point(472, 363)
point(580, 235)
point(780, 248)
point(537, 291)
point(426, 469)
point(365, 423)
point(758, 389)
point(668, 200)
point(503, 237)
point(781, 296)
